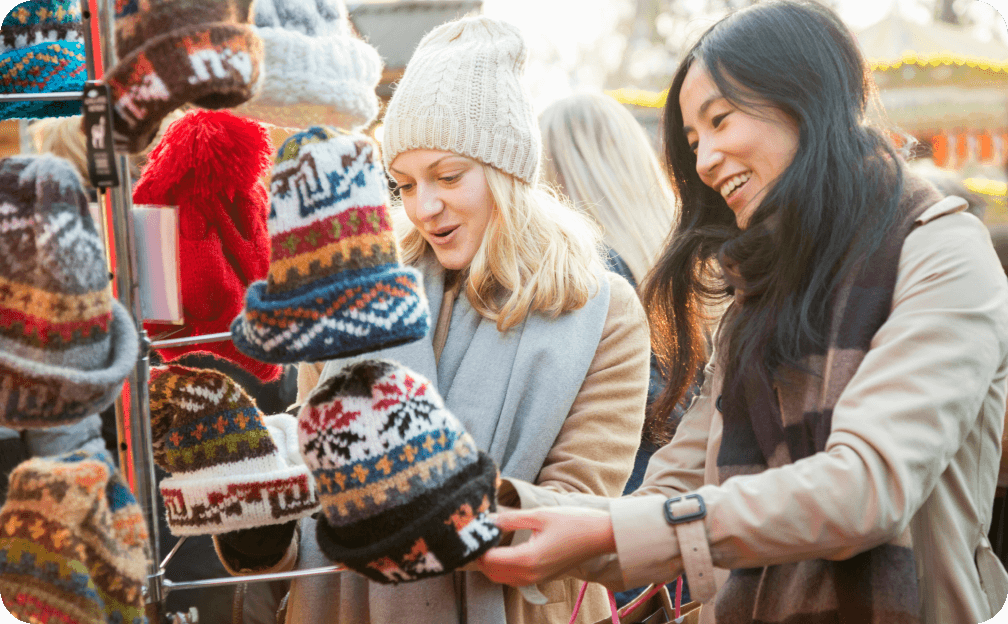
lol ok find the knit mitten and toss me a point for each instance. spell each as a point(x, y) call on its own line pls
point(73, 543)
point(230, 467)
point(335, 286)
point(42, 51)
point(317, 71)
point(404, 490)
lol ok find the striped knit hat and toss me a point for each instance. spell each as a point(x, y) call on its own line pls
point(73, 543)
point(177, 51)
point(317, 71)
point(336, 286)
point(404, 489)
point(42, 51)
point(231, 468)
point(65, 345)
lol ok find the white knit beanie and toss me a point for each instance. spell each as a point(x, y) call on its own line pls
point(463, 92)
point(317, 71)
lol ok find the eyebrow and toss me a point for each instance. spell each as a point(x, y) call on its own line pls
point(714, 97)
point(430, 166)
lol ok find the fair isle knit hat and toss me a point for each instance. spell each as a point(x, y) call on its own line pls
point(65, 344)
point(336, 286)
point(463, 92)
point(73, 543)
point(317, 71)
point(230, 467)
point(42, 51)
point(177, 51)
point(404, 490)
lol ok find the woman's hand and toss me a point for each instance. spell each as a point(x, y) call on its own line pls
point(562, 538)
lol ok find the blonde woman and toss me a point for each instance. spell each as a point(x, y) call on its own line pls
point(541, 353)
point(600, 157)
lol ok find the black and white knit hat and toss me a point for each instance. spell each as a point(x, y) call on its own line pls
point(65, 344)
point(317, 71)
point(231, 467)
point(404, 489)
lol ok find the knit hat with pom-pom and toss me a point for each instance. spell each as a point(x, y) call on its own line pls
point(73, 543)
point(209, 164)
point(405, 491)
point(231, 467)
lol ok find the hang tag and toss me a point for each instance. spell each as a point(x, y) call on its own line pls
point(97, 109)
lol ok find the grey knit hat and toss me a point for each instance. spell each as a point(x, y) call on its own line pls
point(463, 92)
point(317, 71)
point(65, 345)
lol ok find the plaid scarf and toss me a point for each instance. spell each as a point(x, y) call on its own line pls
point(766, 426)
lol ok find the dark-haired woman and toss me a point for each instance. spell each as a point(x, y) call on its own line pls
point(840, 463)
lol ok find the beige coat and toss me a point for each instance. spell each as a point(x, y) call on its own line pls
point(916, 442)
point(593, 453)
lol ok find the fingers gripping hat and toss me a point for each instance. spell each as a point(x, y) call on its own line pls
point(335, 286)
point(177, 51)
point(42, 51)
point(316, 71)
point(73, 543)
point(65, 345)
point(463, 92)
point(404, 490)
point(230, 467)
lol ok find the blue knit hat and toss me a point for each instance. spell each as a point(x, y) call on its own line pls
point(65, 344)
point(42, 51)
point(336, 286)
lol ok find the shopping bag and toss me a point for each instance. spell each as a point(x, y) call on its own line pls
point(651, 606)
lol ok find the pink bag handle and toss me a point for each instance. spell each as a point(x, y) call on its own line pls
point(630, 608)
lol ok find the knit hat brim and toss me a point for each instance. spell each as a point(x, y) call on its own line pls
point(316, 80)
point(346, 316)
point(55, 66)
point(38, 395)
point(210, 506)
point(447, 537)
point(214, 65)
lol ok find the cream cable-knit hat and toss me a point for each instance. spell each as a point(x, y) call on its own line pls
point(462, 92)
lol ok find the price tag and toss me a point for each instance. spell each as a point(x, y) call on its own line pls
point(97, 109)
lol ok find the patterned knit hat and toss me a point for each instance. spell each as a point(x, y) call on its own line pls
point(73, 543)
point(177, 51)
point(210, 164)
point(404, 489)
point(65, 345)
point(42, 51)
point(335, 286)
point(227, 472)
point(317, 71)
point(463, 92)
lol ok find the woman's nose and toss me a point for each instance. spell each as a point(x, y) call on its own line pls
point(708, 158)
point(429, 204)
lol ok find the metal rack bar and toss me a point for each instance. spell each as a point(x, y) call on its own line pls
point(190, 340)
point(42, 97)
point(252, 578)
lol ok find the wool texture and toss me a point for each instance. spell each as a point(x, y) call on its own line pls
point(42, 51)
point(316, 70)
point(770, 423)
point(65, 344)
point(174, 52)
point(210, 165)
point(73, 543)
point(231, 467)
point(464, 92)
point(335, 286)
point(405, 491)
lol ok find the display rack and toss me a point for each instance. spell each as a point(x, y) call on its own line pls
point(139, 471)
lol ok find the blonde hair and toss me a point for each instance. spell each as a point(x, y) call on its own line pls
point(64, 137)
point(538, 253)
point(600, 157)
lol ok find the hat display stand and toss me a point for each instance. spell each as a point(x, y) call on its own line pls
point(138, 469)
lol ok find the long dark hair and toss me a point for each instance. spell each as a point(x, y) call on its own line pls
point(830, 207)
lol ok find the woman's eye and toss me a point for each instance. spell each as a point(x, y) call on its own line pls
point(693, 146)
point(404, 188)
point(716, 121)
point(451, 178)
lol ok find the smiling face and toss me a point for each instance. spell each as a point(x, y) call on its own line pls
point(739, 153)
point(447, 198)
